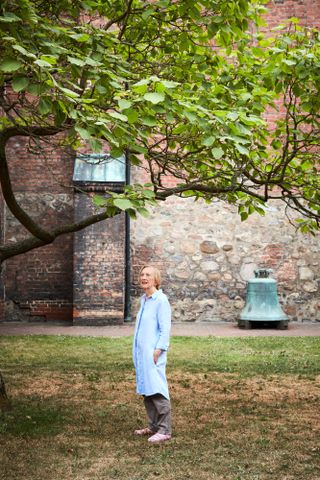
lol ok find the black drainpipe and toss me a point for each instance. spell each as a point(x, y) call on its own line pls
point(127, 255)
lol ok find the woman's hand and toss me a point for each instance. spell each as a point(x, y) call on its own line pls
point(156, 355)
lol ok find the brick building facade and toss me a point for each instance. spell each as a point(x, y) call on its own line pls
point(40, 282)
point(205, 252)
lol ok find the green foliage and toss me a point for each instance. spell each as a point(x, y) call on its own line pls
point(182, 83)
point(135, 198)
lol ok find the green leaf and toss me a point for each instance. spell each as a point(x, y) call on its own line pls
point(101, 89)
point(144, 212)
point(88, 100)
point(208, 141)
point(19, 83)
point(261, 211)
point(116, 152)
point(245, 96)
point(122, 203)
point(169, 83)
point(239, 128)
point(118, 116)
point(44, 106)
point(132, 213)
point(76, 61)
point(241, 149)
point(85, 134)
point(10, 65)
point(49, 58)
point(95, 144)
point(56, 47)
point(59, 111)
point(134, 159)
point(147, 13)
point(132, 115)
point(137, 148)
point(149, 121)
point(81, 37)
point(42, 63)
point(217, 153)
point(191, 117)
point(10, 17)
point(163, 3)
point(144, 81)
point(289, 62)
point(99, 201)
point(148, 193)
point(154, 97)
point(233, 116)
point(307, 106)
point(170, 117)
point(68, 92)
point(116, 85)
point(22, 50)
point(34, 89)
point(244, 216)
point(124, 104)
point(92, 62)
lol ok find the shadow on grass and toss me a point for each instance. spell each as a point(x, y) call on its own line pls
point(31, 419)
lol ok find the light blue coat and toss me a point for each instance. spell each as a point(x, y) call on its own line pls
point(152, 331)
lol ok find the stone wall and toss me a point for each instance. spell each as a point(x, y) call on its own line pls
point(207, 255)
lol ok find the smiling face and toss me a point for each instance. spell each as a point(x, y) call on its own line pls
point(147, 280)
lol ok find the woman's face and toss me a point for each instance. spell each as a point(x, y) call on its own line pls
point(147, 280)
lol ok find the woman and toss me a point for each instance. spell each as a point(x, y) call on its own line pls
point(150, 345)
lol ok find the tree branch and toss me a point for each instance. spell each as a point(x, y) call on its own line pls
point(167, 192)
point(120, 17)
point(13, 249)
point(125, 20)
point(9, 197)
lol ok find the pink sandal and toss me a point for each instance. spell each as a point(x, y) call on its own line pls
point(143, 431)
point(159, 437)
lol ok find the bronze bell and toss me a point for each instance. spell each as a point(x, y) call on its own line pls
point(262, 303)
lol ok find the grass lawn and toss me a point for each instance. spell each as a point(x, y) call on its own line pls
point(243, 409)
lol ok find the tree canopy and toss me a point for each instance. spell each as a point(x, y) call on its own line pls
point(184, 87)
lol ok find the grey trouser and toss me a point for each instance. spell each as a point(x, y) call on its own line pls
point(159, 413)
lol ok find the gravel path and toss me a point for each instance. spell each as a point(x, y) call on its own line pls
point(188, 329)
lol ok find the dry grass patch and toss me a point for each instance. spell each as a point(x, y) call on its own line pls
point(243, 409)
point(79, 427)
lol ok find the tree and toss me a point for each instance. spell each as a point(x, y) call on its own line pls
point(5, 403)
point(182, 86)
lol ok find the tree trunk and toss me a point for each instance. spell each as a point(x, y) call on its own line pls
point(4, 401)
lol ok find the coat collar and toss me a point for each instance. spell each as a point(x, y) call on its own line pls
point(154, 296)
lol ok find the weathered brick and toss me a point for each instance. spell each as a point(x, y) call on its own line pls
point(98, 295)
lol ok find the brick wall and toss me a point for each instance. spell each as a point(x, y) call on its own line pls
point(98, 268)
point(308, 11)
point(38, 285)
